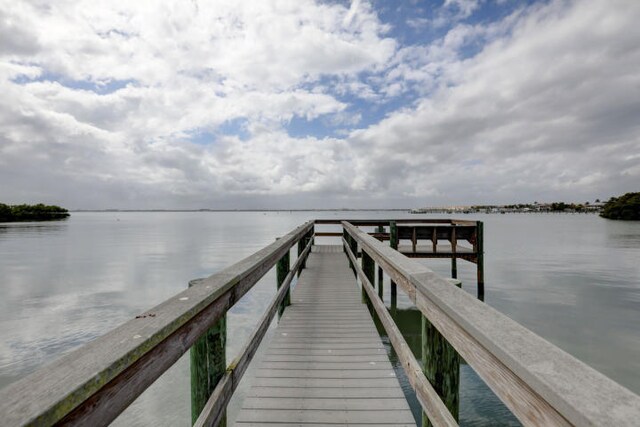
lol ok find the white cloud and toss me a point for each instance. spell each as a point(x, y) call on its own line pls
point(548, 106)
point(551, 109)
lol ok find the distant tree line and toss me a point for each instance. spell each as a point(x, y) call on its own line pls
point(39, 212)
point(553, 207)
point(625, 207)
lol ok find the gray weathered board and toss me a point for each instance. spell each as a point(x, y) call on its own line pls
point(326, 363)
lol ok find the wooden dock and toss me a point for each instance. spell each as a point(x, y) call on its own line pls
point(326, 363)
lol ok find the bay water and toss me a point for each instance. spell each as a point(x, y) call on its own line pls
point(574, 279)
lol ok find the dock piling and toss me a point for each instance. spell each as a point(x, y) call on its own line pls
point(208, 364)
point(441, 366)
point(393, 242)
point(480, 258)
point(454, 243)
point(380, 271)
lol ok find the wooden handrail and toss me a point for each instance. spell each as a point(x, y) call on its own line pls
point(431, 403)
point(95, 383)
point(214, 408)
point(377, 222)
point(540, 383)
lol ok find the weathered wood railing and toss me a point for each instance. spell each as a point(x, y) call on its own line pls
point(432, 230)
point(94, 384)
point(541, 384)
point(537, 381)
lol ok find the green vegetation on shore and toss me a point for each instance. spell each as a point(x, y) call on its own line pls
point(39, 212)
point(626, 207)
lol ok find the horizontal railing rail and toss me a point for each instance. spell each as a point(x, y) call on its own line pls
point(213, 410)
point(431, 403)
point(95, 383)
point(540, 383)
point(377, 222)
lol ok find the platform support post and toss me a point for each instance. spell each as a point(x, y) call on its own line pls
point(480, 258)
point(380, 272)
point(393, 242)
point(454, 244)
point(441, 365)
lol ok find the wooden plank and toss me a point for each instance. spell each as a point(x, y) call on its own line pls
point(327, 345)
point(212, 413)
point(325, 373)
point(362, 392)
point(539, 382)
point(322, 404)
point(325, 357)
point(326, 362)
point(313, 352)
point(370, 416)
point(247, 424)
point(431, 403)
point(345, 366)
point(390, 382)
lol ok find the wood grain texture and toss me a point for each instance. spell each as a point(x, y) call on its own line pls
point(539, 382)
point(212, 412)
point(431, 403)
point(326, 363)
point(107, 374)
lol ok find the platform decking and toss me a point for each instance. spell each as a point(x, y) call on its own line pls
point(326, 363)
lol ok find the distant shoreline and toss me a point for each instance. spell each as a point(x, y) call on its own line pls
point(241, 210)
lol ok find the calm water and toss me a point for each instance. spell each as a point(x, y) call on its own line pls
point(574, 279)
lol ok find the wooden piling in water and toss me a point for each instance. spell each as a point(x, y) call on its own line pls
point(380, 271)
point(393, 242)
point(454, 244)
point(282, 269)
point(480, 258)
point(441, 366)
point(208, 364)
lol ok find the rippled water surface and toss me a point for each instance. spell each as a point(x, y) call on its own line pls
point(574, 279)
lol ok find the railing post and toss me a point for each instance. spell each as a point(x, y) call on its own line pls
point(393, 242)
point(369, 269)
point(208, 364)
point(347, 238)
point(354, 248)
point(308, 237)
point(441, 366)
point(302, 243)
point(480, 258)
point(282, 269)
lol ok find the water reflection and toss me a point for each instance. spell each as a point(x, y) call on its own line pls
point(571, 278)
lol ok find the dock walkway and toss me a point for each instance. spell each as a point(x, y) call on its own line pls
point(326, 363)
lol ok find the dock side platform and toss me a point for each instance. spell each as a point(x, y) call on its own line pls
point(326, 364)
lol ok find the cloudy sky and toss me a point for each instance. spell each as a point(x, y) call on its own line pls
point(301, 103)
